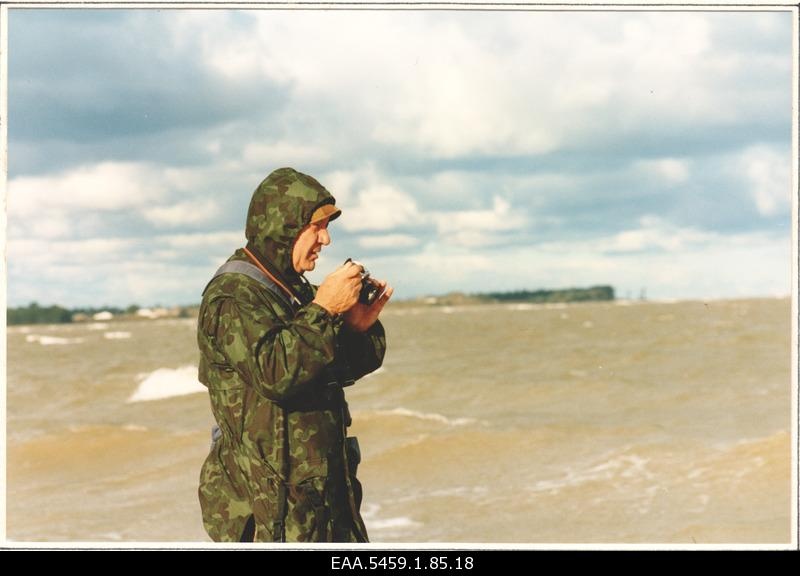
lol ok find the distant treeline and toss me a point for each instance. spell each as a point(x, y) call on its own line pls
point(565, 295)
point(35, 314)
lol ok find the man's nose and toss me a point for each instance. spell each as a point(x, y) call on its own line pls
point(324, 238)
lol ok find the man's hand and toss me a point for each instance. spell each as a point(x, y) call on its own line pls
point(339, 291)
point(361, 316)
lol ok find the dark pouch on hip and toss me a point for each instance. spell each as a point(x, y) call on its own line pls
point(353, 452)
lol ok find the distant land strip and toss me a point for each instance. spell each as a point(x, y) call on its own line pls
point(33, 313)
point(563, 295)
point(592, 294)
point(36, 314)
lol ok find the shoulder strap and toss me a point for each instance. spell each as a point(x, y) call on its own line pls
point(242, 267)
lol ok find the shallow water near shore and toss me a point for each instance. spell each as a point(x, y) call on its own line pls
point(597, 422)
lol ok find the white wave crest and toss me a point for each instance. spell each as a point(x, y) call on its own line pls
point(426, 416)
point(370, 512)
point(18, 329)
point(52, 340)
point(521, 307)
point(117, 335)
point(134, 428)
point(399, 523)
point(623, 466)
point(167, 383)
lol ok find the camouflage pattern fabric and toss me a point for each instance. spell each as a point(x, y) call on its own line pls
point(274, 373)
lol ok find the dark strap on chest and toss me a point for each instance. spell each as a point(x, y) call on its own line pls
point(242, 267)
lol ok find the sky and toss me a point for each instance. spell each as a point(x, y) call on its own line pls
point(469, 151)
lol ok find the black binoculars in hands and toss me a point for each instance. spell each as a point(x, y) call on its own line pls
point(369, 289)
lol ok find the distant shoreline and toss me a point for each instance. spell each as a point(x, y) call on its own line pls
point(418, 303)
point(603, 293)
point(34, 314)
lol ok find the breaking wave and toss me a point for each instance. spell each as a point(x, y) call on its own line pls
point(117, 335)
point(52, 340)
point(167, 383)
point(422, 416)
point(370, 513)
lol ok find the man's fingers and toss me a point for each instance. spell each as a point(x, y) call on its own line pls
point(351, 270)
point(381, 302)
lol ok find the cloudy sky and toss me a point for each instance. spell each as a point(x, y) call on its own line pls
point(469, 151)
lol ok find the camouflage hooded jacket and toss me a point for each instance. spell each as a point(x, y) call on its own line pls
point(274, 373)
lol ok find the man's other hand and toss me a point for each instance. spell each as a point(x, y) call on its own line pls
point(361, 316)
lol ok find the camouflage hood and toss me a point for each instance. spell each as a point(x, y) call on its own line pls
point(281, 206)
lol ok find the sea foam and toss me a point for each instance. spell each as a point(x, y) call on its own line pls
point(425, 416)
point(167, 383)
point(399, 523)
point(117, 335)
point(52, 340)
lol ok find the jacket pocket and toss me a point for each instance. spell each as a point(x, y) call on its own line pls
point(265, 488)
point(308, 516)
point(224, 501)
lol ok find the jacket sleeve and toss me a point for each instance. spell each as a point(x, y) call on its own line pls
point(281, 360)
point(363, 351)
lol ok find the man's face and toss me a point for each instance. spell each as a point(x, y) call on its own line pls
point(308, 244)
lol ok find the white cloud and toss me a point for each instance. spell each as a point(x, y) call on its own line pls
point(500, 217)
point(340, 183)
point(36, 255)
point(449, 264)
point(164, 269)
point(388, 241)
point(671, 170)
point(100, 187)
point(408, 88)
point(769, 174)
point(182, 213)
point(56, 206)
point(477, 227)
point(282, 154)
point(148, 282)
point(216, 247)
point(742, 265)
point(381, 207)
point(203, 241)
point(46, 225)
point(450, 184)
point(79, 201)
point(654, 233)
point(81, 259)
point(470, 83)
point(371, 203)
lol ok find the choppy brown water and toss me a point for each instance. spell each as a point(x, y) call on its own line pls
point(648, 422)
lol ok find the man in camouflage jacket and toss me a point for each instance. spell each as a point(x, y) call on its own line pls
point(275, 355)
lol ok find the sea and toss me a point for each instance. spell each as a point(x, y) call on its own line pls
point(604, 422)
